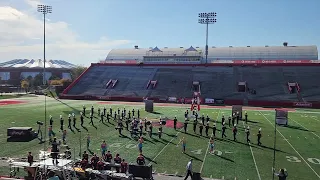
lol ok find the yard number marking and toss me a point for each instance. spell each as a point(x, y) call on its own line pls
point(293, 159)
point(297, 160)
point(314, 160)
point(199, 151)
point(118, 145)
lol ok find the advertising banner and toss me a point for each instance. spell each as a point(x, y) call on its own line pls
point(104, 98)
point(209, 101)
point(172, 99)
point(189, 100)
point(271, 61)
point(302, 104)
point(219, 101)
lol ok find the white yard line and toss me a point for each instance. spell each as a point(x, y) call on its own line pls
point(315, 119)
point(254, 159)
point(163, 148)
point(205, 156)
point(306, 128)
point(292, 147)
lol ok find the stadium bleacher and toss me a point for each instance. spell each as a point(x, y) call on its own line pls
point(270, 83)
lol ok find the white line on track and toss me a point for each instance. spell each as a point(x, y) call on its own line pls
point(163, 148)
point(306, 128)
point(254, 159)
point(292, 146)
point(205, 156)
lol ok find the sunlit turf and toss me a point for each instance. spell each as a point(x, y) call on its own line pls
point(297, 147)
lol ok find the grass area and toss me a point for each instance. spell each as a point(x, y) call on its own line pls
point(12, 96)
point(297, 147)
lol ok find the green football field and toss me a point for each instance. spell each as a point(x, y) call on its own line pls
point(297, 147)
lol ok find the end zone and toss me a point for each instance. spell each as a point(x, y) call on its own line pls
point(11, 102)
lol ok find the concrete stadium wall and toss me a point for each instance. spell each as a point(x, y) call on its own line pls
point(226, 102)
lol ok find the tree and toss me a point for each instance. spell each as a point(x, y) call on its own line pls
point(38, 80)
point(25, 85)
point(53, 77)
point(77, 71)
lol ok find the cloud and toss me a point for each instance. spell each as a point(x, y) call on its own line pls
point(21, 36)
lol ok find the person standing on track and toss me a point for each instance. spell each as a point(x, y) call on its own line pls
point(84, 110)
point(211, 144)
point(69, 121)
point(214, 129)
point(183, 143)
point(259, 137)
point(61, 123)
point(224, 130)
point(81, 118)
point(175, 123)
point(92, 110)
point(110, 111)
point(246, 116)
point(195, 126)
point(235, 130)
point(207, 129)
point(150, 130)
point(103, 148)
point(189, 170)
point(74, 119)
point(200, 129)
point(51, 121)
point(248, 134)
point(140, 142)
point(185, 125)
point(160, 131)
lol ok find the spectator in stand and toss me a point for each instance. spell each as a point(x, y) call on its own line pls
point(140, 160)
point(124, 166)
point(30, 159)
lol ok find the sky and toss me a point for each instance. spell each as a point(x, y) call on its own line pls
point(84, 31)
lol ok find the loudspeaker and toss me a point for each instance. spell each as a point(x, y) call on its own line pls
point(148, 105)
point(141, 171)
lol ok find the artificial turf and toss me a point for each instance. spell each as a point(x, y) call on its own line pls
point(297, 147)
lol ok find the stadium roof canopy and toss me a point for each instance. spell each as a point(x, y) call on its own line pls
point(25, 63)
point(221, 53)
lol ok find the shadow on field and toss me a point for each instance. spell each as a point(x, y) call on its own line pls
point(85, 128)
point(156, 113)
point(193, 157)
point(149, 141)
point(74, 109)
point(254, 122)
point(296, 127)
point(224, 158)
point(149, 159)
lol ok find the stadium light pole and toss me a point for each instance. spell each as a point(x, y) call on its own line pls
point(207, 18)
point(44, 9)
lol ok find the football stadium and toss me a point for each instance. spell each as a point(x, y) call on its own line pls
point(239, 113)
